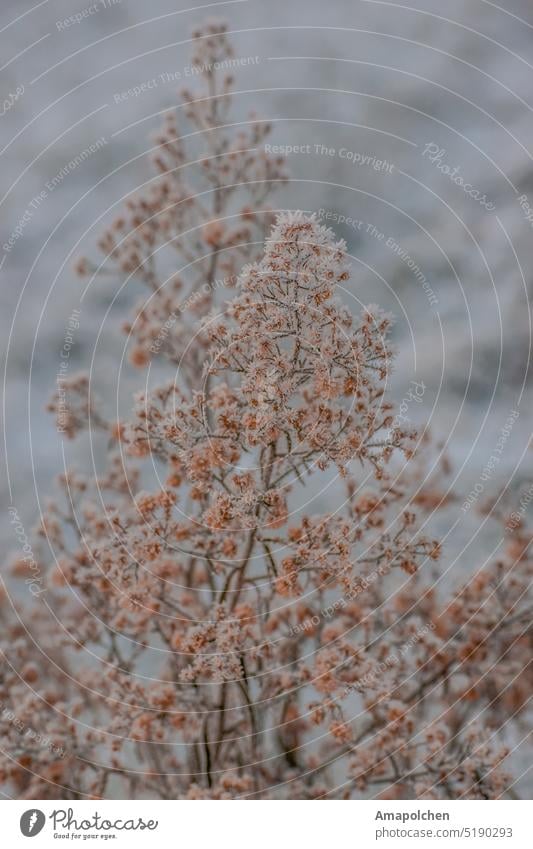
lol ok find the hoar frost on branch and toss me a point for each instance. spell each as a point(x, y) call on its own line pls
point(218, 635)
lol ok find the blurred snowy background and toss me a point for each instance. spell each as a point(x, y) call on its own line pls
point(422, 90)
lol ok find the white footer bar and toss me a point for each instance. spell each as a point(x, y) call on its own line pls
point(268, 825)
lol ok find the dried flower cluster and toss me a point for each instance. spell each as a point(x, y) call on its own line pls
point(216, 633)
